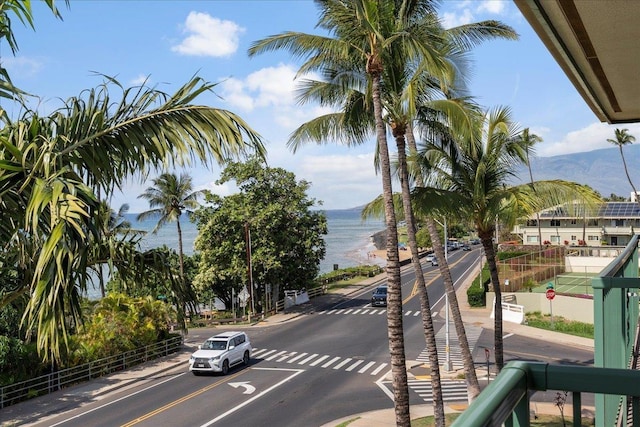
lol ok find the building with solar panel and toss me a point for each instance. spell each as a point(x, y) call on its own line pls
point(612, 223)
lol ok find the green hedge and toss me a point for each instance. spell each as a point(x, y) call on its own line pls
point(476, 296)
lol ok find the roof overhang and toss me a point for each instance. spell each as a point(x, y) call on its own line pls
point(597, 44)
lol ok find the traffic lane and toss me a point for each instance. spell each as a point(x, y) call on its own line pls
point(212, 403)
point(314, 397)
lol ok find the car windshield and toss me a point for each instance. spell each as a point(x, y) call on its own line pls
point(214, 345)
point(381, 290)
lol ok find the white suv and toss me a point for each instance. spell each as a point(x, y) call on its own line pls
point(220, 352)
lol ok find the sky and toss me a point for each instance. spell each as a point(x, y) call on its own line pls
point(166, 42)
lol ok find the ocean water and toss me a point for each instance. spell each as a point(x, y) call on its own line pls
point(348, 241)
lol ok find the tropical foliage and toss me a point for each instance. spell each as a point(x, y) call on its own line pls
point(469, 176)
point(53, 167)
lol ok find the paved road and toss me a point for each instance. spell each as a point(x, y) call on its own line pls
point(330, 363)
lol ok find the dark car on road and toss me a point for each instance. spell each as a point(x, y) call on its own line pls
point(379, 297)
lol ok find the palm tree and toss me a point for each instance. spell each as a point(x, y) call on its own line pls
point(52, 167)
point(530, 139)
point(169, 198)
point(623, 138)
point(471, 175)
point(362, 32)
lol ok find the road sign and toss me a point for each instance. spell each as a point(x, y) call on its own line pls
point(551, 294)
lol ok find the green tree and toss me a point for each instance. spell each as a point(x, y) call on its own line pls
point(51, 165)
point(286, 235)
point(623, 137)
point(472, 175)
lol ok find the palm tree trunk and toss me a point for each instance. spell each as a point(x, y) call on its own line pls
point(626, 171)
point(395, 329)
point(537, 214)
point(180, 303)
point(467, 359)
point(425, 306)
point(489, 251)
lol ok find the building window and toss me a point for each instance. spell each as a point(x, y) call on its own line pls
point(593, 237)
point(555, 223)
point(532, 239)
point(573, 238)
point(532, 223)
point(592, 223)
point(574, 221)
point(555, 239)
point(619, 222)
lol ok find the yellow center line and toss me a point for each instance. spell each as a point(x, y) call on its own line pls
point(181, 400)
point(416, 289)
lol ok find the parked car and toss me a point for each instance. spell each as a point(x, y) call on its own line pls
point(430, 257)
point(434, 261)
point(466, 247)
point(379, 297)
point(221, 352)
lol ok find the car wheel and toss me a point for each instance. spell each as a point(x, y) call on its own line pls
point(196, 373)
point(225, 367)
point(245, 358)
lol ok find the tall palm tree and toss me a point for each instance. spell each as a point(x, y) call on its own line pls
point(471, 176)
point(52, 167)
point(169, 198)
point(623, 138)
point(361, 32)
point(530, 139)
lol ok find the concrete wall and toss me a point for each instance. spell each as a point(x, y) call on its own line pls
point(586, 264)
point(571, 308)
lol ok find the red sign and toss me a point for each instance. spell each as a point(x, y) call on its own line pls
point(551, 294)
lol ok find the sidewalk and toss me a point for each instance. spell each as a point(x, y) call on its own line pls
point(40, 408)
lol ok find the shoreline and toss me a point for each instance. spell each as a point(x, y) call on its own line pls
point(379, 240)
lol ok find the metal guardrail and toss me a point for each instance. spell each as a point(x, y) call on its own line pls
point(507, 399)
point(17, 392)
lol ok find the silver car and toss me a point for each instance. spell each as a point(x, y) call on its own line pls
point(221, 352)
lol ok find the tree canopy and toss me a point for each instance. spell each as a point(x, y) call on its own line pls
point(273, 213)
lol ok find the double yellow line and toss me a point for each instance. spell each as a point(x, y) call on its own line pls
point(416, 288)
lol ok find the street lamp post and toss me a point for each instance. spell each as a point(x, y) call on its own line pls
point(247, 235)
point(448, 366)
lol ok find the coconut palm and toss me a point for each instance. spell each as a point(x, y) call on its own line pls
point(530, 139)
point(623, 138)
point(361, 32)
point(169, 198)
point(469, 177)
point(51, 167)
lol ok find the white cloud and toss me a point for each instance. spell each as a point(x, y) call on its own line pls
point(209, 36)
point(140, 80)
point(590, 138)
point(267, 87)
point(495, 7)
point(455, 19)
point(22, 65)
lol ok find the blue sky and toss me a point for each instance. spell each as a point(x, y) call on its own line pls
point(169, 41)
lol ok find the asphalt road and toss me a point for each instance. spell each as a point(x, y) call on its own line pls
point(323, 366)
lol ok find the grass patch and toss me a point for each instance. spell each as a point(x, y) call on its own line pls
point(346, 423)
point(560, 324)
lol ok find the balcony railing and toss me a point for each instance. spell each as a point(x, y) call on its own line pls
point(616, 387)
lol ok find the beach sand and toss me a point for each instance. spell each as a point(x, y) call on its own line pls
point(382, 254)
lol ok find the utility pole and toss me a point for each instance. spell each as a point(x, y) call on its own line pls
point(247, 237)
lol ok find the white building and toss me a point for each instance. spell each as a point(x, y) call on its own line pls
point(613, 223)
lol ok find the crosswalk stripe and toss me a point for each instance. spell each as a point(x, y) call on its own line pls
point(330, 362)
point(302, 362)
point(452, 390)
point(300, 356)
point(365, 367)
point(319, 360)
point(378, 369)
point(416, 313)
point(256, 352)
point(355, 365)
point(268, 353)
point(348, 311)
point(357, 311)
point(365, 311)
point(407, 313)
point(341, 364)
point(286, 356)
point(273, 356)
